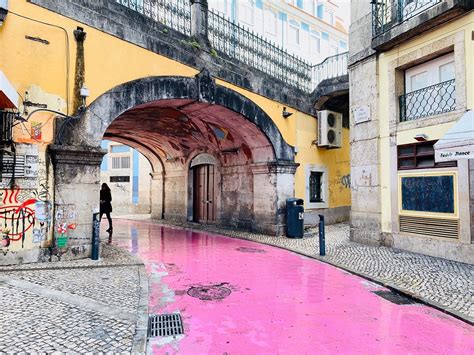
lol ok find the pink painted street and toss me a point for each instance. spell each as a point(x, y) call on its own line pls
point(241, 297)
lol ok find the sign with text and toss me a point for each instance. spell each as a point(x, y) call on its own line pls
point(456, 153)
point(361, 114)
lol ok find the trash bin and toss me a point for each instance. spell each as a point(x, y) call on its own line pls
point(294, 218)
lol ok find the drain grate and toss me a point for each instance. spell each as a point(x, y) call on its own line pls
point(395, 297)
point(250, 250)
point(164, 325)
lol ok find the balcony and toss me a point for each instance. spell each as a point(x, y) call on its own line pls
point(395, 21)
point(429, 101)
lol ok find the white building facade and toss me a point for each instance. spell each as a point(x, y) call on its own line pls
point(310, 29)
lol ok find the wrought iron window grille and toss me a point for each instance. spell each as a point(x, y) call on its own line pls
point(429, 101)
point(7, 118)
point(387, 14)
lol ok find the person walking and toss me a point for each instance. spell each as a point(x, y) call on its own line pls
point(105, 204)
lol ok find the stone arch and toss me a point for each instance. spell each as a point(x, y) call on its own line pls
point(89, 129)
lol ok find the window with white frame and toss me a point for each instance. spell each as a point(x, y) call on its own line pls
point(246, 12)
point(316, 187)
point(315, 42)
point(270, 22)
point(121, 162)
point(294, 33)
point(429, 88)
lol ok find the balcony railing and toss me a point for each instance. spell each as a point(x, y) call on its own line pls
point(331, 67)
point(175, 14)
point(428, 101)
point(255, 51)
point(237, 41)
point(387, 14)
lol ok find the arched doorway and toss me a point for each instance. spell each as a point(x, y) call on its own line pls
point(204, 188)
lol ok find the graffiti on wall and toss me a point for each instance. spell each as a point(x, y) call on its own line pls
point(346, 181)
point(65, 221)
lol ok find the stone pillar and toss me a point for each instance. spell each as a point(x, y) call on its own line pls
point(157, 195)
point(273, 183)
point(76, 195)
point(199, 22)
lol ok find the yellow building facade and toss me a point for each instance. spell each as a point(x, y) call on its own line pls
point(48, 207)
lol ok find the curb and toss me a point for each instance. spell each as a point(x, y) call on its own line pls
point(140, 338)
point(404, 292)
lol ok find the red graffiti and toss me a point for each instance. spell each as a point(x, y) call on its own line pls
point(16, 217)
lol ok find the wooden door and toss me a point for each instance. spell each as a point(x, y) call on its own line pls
point(204, 194)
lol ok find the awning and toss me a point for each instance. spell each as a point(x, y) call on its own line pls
point(8, 94)
point(458, 142)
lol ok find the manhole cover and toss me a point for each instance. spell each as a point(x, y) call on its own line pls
point(395, 297)
point(165, 325)
point(250, 250)
point(209, 293)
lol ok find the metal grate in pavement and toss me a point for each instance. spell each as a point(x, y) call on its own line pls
point(165, 325)
point(395, 297)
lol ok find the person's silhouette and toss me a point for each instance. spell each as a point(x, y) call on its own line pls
point(105, 204)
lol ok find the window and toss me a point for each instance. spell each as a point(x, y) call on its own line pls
point(320, 11)
point(343, 45)
point(316, 186)
point(270, 24)
point(294, 33)
point(446, 72)
point(121, 162)
point(430, 89)
point(315, 44)
point(120, 179)
point(119, 149)
point(419, 156)
point(246, 11)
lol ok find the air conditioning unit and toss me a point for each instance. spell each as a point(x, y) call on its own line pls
point(329, 129)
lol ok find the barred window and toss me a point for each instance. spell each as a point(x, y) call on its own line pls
point(315, 186)
point(120, 179)
point(121, 162)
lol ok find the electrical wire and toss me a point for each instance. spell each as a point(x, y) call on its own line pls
point(67, 51)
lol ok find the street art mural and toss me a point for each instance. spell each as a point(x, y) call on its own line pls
point(25, 202)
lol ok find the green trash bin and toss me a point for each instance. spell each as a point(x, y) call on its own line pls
point(294, 218)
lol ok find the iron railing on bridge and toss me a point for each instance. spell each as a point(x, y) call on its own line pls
point(236, 41)
point(254, 50)
point(175, 14)
point(428, 101)
point(387, 14)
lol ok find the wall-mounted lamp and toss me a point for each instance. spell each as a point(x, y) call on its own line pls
point(84, 92)
point(285, 113)
point(421, 137)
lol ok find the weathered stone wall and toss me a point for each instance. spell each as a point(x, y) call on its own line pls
point(364, 137)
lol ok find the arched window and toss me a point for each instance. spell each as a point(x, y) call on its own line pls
point(294, 33)
point(315, 42)
point(270, 22)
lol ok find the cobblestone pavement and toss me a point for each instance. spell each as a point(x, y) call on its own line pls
point(445, 284)
point(79, 306)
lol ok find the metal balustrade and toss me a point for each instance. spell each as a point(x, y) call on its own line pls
point(175, 14)
point(238, 42)
point(331, 67)
point(387, 14)
point(428, 101)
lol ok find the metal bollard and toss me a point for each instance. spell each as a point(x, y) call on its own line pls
point(95, 236)
point(322, 236)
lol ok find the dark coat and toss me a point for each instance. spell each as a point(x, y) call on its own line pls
point(106, 206)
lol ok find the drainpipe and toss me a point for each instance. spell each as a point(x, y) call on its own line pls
point(80, 74)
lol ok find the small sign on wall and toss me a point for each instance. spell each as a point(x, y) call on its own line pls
point(361, 114)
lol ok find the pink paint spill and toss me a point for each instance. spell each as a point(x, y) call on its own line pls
point(280, 302)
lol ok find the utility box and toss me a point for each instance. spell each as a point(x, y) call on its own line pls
point(294, 218)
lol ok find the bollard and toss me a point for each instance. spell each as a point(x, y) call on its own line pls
point(95, 236)
point(322, 236)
